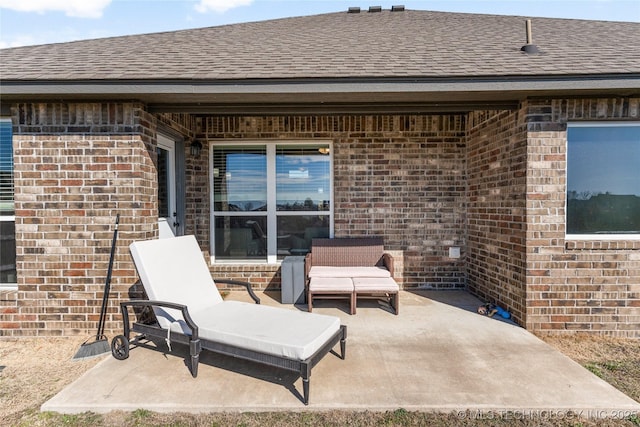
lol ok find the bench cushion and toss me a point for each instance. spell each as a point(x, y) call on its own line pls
point(375, 284)
point(325, 271)
point(331, 284)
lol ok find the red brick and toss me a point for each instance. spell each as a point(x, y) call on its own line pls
point(9, 325)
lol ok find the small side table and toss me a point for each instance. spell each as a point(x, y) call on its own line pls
point(292, 275)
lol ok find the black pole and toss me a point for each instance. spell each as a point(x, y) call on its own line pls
point(107, 285)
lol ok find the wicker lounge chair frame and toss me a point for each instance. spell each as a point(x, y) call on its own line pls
point(120, 344)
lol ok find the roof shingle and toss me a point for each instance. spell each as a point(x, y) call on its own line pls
point(408, 44)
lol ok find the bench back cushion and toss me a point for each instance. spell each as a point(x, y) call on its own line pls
point(356, 252)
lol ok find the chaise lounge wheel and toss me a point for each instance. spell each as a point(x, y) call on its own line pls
point(120, 347)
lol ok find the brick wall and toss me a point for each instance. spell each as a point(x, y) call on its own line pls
point(76, 167)
point(496, 169)
point(589, 286)
point(401, 177)
point(492, 183)
point(9, 316)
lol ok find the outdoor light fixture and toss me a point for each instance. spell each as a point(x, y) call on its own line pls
point(196, 148)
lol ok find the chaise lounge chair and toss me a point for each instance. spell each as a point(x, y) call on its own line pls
point(190, 310)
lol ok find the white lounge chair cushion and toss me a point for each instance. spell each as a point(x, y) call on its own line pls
point(174, 270)
point(272, 330)
point(327, 271)
point(281, 332)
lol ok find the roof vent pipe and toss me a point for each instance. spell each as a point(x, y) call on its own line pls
point(375, 8)
point(397, 8)
point(353, 10)
point(529, 47)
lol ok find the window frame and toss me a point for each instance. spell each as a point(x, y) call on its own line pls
point(272, 213)
point(593, 236)
point(10, 218)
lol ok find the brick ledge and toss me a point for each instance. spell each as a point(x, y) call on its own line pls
point(604, 245)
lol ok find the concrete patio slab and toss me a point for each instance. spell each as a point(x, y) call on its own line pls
point(437, 355)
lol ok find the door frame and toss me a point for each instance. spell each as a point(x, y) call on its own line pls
point(174, 144)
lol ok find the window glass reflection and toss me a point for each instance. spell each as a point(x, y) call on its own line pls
point(603, 179)
point(302, 178)
point(240, 237)
point(240, 179)
point(295, 233)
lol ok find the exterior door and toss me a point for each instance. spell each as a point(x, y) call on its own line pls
point(167, 206)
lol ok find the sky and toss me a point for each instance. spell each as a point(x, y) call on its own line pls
point(33, 22)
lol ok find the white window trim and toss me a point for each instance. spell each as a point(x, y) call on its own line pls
point(603, 236)
point(270, 145)
point(598, 236)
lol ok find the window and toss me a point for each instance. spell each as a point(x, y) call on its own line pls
point(269, 200)
point(603, 180)
point(8, 277)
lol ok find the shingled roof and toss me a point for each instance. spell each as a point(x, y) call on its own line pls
point(408, 47)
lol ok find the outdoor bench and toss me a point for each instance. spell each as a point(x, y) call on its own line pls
point(350, 268)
